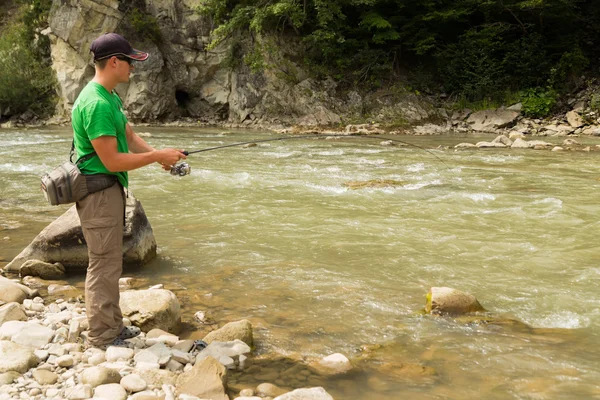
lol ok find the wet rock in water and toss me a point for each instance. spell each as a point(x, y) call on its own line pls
point(241, 330)
point(445, 300)
point(62, 241)
point(465, 146)
point(269, 390)
point(149, 309)
point(205, 380)
point(503, 139)
point(64, 291)
point(217, 350)
point(35, 282)
point(16, 357)
point(375, 183)
point(316, 393)
point(42, 269)
point(248, 145)
point(334, 364)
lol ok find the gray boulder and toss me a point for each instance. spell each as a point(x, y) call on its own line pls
point(62, 241)
point(149, 309)
point(42, 269)
point(490, 120)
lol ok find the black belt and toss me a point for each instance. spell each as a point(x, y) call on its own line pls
point(98, 182)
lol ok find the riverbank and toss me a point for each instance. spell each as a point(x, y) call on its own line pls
point(44, 354)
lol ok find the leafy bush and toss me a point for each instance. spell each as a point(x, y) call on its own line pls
point(144, 25)
point(25, 81)
point(538, 102)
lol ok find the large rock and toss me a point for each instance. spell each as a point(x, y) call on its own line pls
point(490, 120)
point(149, 309)
point(15, 357)
point(241, 330)
point(62, 241)
point(205, 380)
point(11, 291)
point(445, 300)
point(12, 312)
point(42, 269)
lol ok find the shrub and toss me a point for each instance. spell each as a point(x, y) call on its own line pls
point(538, 102)
point(25, 81)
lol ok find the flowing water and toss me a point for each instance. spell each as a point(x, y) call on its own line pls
point(272, 234)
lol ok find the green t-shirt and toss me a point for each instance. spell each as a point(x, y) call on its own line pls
point(96, 113)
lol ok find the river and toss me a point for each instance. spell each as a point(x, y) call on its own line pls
point(272, 234)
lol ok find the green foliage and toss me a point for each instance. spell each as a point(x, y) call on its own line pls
point(255, 59)
point(145, 25)
point(571, 64)
point(478, 48)
point(538, 102)
point(25, 81)
point(595, 102)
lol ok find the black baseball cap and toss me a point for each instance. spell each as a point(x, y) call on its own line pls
point(113, 44)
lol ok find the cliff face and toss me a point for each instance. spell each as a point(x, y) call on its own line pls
point(182, 79)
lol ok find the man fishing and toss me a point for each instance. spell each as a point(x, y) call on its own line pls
point(107, 147)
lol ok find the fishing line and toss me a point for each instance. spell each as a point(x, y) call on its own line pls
point(184, 169)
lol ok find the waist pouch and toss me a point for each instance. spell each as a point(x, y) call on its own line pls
point(66, 184)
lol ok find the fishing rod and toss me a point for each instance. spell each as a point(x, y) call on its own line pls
point(183, 168)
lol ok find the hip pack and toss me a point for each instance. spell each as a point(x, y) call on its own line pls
point(66, 184)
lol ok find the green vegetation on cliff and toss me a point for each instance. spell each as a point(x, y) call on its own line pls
point(26, 80)
point(474, 49)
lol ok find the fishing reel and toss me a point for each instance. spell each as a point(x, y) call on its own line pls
point(182, 169)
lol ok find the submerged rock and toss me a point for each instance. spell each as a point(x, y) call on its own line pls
point(445, 300)
point(62, 241)
point(374, 183)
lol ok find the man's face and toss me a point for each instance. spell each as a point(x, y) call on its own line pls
point(124, 67)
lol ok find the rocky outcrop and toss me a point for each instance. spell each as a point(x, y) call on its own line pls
point(62, 241)
point(184, 79)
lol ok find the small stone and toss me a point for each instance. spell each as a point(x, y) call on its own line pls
point(133, 383)
point(65, 361)
point(44, 377)
point(112, 391)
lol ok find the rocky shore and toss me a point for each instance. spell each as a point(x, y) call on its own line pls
point(44, 355)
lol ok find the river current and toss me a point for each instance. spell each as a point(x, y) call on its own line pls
point(273, 234)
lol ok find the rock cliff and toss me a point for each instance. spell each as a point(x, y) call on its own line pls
point(183, 79)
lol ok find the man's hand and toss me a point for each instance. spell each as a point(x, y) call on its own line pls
point(169, 157)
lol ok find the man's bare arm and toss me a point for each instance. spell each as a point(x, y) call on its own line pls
point(135, 143)
point(106, 148)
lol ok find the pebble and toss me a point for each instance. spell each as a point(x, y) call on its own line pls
point(133, 383)
point(65, 361)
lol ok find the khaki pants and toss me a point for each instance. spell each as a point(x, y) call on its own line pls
point(101, 216)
